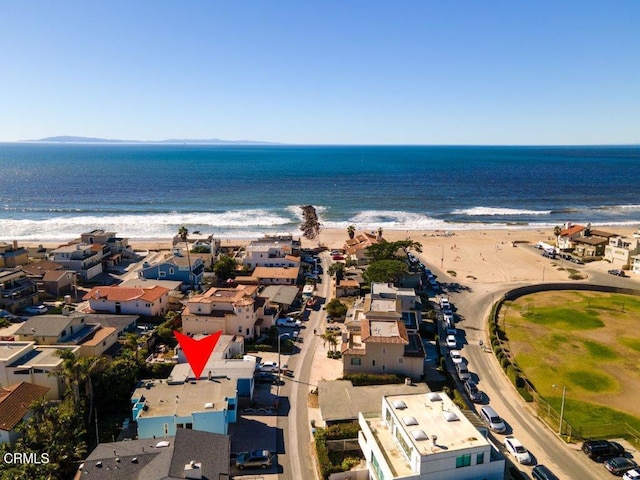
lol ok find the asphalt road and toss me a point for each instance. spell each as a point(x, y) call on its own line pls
point(297, 460)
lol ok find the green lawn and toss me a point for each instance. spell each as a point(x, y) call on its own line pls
point(587, 342)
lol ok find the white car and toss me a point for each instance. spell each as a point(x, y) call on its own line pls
point(513, 445)
point(37, 310)
point(288, 322)
point(269, 367)
point(463, 371)
point(451, 341)
point(456, 356)
point(632, 475)
point(448, 319)
point(443, 302)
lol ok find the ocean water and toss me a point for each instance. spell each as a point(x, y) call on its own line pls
point(57, 191)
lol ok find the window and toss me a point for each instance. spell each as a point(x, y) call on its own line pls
point(166, 429)
point(240, 329)
point(356, 361)
point(189, 426)
point(463, 461)
point(162, 274)
point(384, 350)
point(171, 270)
point(480, 458)
point(400, 360)
point(373, 363)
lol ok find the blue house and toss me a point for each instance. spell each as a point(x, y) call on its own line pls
point(175, 268)
point(207, 404)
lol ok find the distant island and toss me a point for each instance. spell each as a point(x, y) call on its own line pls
point(190, 141)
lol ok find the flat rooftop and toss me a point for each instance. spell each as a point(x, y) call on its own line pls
point(9, 349)
point(183, 399)
point(44, 357)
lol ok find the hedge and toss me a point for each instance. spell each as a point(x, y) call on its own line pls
point(360, 379)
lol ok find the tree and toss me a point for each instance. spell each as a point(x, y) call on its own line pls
point(337, 309)
point(385, 271)
point(389, 250)
point(332, 338)
point(225, 268)
point(556, 232)
point(310, 225)
point(351, 231)
point(183, 233)
point(336, 268)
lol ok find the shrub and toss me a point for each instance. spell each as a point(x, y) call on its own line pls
point(524, 393)
point(360, 379)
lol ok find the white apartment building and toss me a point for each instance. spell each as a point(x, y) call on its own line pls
point(426, 437)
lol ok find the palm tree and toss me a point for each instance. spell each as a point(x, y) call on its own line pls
point(70, 372)
point(556, 231)
point(90, 366)
point(332, 338)
point(183, 233)
point(351, 231)
point(131, 341)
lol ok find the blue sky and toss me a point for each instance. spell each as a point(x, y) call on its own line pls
point(311, 72)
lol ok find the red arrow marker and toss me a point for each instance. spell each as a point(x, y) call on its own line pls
point(197, 351)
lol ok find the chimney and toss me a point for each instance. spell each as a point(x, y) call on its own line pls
point(434, 439)
point(193, 470)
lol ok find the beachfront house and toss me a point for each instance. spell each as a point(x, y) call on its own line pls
point(234, 311)
point(356, 247)
point(15, 407)
point(83, 258)
point(150, 302)
point(270, 252)
point(424, 436)
point(17, 291)
point(176, 268)
point(383, 346)
point(567, 235)
point(12, 255)
point(620, 250)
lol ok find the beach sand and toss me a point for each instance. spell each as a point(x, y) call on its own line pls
point(468, 256)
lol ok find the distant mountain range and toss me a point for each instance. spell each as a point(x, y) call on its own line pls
point(182, 141)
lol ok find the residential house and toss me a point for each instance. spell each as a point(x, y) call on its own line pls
point(70, 329)
point(118, 247)
point(391, 303)
point(15, 406)
point(59, 281)
point(270, 252)
point(383, 346)
point(25, 362)
point(281, 295)
point(189, 454)
point(11, 255)
point(620, 250)
point(341, 402)
point(635, 263)
point(426, 436)
point(16, 290)
point(568, 234)
point(161, 406)
point(176, 268)
point(82, 258)
point(347, 287)
point(150, 302)
point(356, 247)
point(272, 276)
point(234, 311)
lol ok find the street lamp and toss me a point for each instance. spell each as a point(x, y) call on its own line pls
point(442, 256)
point(564, 393)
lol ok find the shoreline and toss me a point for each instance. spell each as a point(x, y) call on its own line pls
point(490, 256)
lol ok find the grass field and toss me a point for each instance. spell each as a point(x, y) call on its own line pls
point(588, 342)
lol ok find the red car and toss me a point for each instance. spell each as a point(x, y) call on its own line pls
point(337, 257)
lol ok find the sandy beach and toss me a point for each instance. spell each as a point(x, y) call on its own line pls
point(468, 256)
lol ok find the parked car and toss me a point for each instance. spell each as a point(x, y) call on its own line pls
point(619, 465)
point(617, 272)
point(463, 371)
point(288, 322)
point(472, 390)
point(492, 419)
point(451, 341)
point(456, 356)
point(576, 261)
point(337, 257)
point(632, 475)
point(444, 302)
point(448, 319)
point(269, 367)
point(540, 472)
point(265, 377)
point(36, 310)
point(515, 448)
point(255, 459)
point(600, 450)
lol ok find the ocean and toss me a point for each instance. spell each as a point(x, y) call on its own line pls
point(147, 191)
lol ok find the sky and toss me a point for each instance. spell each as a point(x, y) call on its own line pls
point(321, 72)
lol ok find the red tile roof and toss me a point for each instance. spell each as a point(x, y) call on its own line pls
point(15, 402)
point(568, 232)
point(123, 294)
